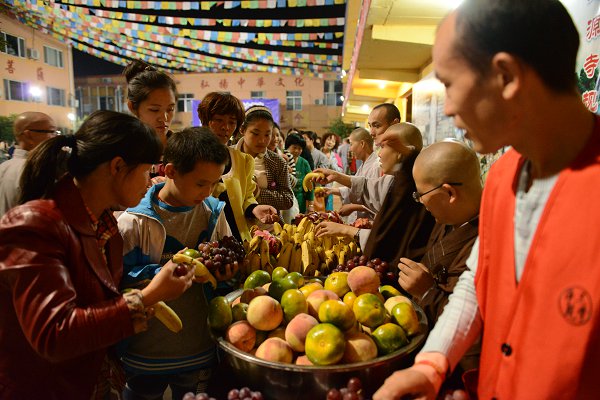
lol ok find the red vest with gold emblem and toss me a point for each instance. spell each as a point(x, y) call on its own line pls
point(541, 337)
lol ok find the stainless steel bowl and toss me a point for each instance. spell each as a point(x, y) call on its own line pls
point(279, 381)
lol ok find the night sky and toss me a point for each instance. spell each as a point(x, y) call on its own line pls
point(87, 65)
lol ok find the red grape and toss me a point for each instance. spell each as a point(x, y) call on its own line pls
point(354, 384)
point(202, 396)
point(391, 276)
point(334, 394)
point(234, 394)
point(376, 261)
point(181, 270)
point(379, 269)
point(245, 392)
point(189, 396)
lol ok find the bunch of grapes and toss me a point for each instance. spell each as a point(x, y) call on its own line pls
point(218, 255)
point(385, 273)
point(244, 394)
point(200, 396)
point(352, 391)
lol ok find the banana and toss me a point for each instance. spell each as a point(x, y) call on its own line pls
point(167, 316)
point(200, 270)
point(307, 182)
point(284, 237)
point(298, 238)
point(285, 256)
point(254, 262)
point(277, 228)
point(254, 244)
point(342, 257)
point(290, 229)
point(321, 253)
point(327, 243)
point(353, 247)
point(296, 259)
point(264, 254)
point(306, 256)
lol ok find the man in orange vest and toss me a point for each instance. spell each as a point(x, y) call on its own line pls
point(533, 287)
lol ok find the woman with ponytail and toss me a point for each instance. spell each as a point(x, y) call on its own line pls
point(61, 263)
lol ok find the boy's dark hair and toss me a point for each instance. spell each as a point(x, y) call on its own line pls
point(391, 111)
point(539, 32)
point(299, 141)
point(103, 136)
point(192, 145)
point(143, 78)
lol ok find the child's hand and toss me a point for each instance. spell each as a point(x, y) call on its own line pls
point(167, 285)
point(265, 214)
point(230, 271)
point(414, 277)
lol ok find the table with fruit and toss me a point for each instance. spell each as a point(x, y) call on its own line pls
point(306, 301)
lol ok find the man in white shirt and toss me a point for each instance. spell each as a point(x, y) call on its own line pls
point(30, 129)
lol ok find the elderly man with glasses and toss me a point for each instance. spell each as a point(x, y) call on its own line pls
point(30, 129)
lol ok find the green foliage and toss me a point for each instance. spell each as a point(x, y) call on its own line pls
point(584, 83)
point(6, 128)
point(340, 128)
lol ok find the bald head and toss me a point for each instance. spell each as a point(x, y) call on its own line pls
point(32, 128)
point(449, 161)
point(408, 134)
point(362, 134)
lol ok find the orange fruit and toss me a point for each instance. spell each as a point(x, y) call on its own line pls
point(279, 286)
point(369, 310)
point(337, 282)
point(293, 303)
point(311, 287)
point(256, 279)
point(239, 311)
point(349, 298)
point(389, 338)
point(296, 277)
point(192, 253)
point(325, 344)
point(219, 313)
point(338, 313)
point(405, 315)
point(389, 291)
point(279, 273)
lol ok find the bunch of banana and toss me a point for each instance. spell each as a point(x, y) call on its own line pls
point(200, 271)
point(258, 256)
point(303, 252)
point(307, 182)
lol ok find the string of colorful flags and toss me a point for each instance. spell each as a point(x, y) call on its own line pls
point(191, 44)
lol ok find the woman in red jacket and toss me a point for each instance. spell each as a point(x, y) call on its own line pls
point(61, 262)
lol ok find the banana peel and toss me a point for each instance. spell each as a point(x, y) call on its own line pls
point(200, 270)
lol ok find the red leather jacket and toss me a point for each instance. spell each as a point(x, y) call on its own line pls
point(60, 308)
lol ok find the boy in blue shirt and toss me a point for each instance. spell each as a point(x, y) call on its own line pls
point(173, 215)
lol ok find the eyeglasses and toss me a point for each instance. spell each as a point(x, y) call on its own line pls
point(46, 131)
point(417, 196)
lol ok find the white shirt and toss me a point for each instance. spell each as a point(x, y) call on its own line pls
point(10, 175)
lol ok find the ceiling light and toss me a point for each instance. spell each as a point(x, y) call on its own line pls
point(382, 85)
point(365, 107)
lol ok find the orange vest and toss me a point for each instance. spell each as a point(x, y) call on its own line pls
point(541, 337)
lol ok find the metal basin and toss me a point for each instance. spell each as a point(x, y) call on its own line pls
point(290, 382)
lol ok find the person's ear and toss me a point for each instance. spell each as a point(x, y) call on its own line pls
point(508, 74)
point(117, 165)
point(132, 108)
point(170, 170)
point(451, 192)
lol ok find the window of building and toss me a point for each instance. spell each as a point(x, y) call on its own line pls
point(13, 45)
point(15, 90)
point(184, 102)
point(257, 95)
point(106, 103)
point(53, 57)
point(333, 93)
point(56, 97)
point(293, 100)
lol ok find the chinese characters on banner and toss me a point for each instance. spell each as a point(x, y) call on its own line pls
point(586, 15)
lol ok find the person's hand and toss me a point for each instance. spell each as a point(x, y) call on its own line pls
point(330, 190)
point(230, 271)
point(334, 229)
point(265, 214)
point(414, 277)
point(348, 209)
point(166, 285)
point(394, 140)
point(330, 176)
point(157, 179)
point(406, 383)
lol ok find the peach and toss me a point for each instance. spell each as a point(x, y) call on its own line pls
point(359, 347)
point(276, 350)
point(303, 360)
point(279, 332)
point(249, 294)
point(264, 313)
point(363, 280)
point(317, 297)
point(296, 330)
point(392, 301)
point(242, 335)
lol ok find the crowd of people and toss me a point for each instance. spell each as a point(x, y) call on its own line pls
point(504, 270)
